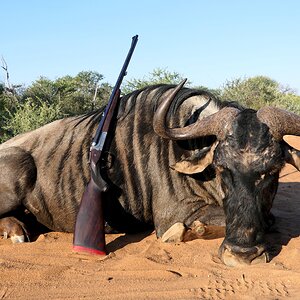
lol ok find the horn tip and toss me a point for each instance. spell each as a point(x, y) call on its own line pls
point(183, 82)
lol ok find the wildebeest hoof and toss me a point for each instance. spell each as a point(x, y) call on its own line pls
point(232, 260)
point(234, 256)
point(17, 239)
point(174, 234)
point(198, 227)
point(195, 231)
point(13, 228)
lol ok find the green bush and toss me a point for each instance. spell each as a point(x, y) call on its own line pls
point(289, 102)
point(46, 100)
point(157, 76)
point(259, 91)
point(253, 92)
point(31, 115)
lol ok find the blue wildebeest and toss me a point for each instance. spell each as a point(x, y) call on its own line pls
point(179, 157)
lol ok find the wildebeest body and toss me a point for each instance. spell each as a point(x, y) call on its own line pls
point(197, 160)
point(56, 172)
point(54, 159)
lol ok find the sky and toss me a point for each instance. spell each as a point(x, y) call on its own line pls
point(207, 41)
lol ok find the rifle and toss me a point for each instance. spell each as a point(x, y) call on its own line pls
point(89, 233)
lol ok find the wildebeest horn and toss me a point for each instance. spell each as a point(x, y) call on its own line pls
point(214, 124)
point(279, 121)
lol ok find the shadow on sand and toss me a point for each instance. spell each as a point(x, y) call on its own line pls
point(126, 239)
point(286, 209)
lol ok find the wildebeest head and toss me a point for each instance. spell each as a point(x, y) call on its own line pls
point(248, 154)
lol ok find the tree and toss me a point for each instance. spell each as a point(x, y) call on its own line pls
point(42, 89)
point(157, 76)
point(259, 91)
point(252, 92)
point(46, 100)
point(8, 101)
point(289, 102)
point(75, 95)
point(29, 115)
point(2, 111)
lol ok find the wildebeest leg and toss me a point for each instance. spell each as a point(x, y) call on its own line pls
point(206, 222)
point(175, 233)
point(199, 230)
point(13, 228)
point(179, 232)
point(17, 179)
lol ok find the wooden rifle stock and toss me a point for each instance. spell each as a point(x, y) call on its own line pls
point(89, 235)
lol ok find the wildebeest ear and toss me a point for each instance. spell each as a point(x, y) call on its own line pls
point(196, 163)
point(292, 156)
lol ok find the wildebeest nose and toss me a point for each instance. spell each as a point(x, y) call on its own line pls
point(234, 255)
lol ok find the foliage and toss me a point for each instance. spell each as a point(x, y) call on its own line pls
point(81, 93)
point(31, 115)
point(289, 102)
point(251, 92)
point(26, 108)
point(75, 95)
point(42, 88)
point(259, 91)
point(7, 101)
point(157, 76)
point(46, 100)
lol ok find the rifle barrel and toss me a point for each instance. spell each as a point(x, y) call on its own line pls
point(97, 137)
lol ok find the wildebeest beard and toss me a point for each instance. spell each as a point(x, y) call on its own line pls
point(249, 161)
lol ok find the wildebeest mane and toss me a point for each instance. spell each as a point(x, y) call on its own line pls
point(92, 118)
point(129, 101)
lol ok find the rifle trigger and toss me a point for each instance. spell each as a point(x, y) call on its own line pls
point(107, 161)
